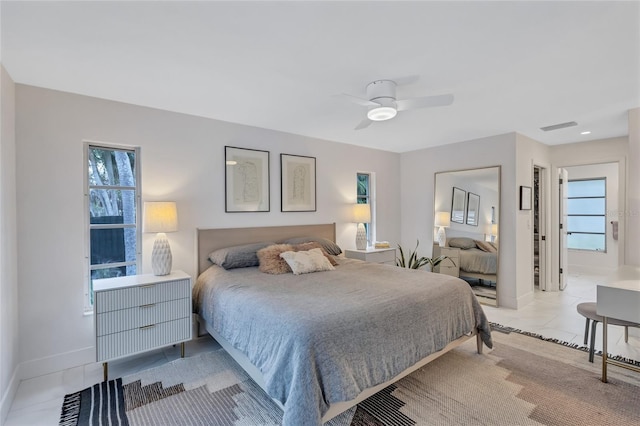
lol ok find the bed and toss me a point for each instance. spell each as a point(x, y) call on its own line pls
point(478, 259)
point(319, 343)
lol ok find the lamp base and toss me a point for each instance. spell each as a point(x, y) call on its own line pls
point(442, 237)
point(161, 258)
point(361, 237)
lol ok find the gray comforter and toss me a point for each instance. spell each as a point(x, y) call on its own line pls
point(478, 261)
point(324, 337)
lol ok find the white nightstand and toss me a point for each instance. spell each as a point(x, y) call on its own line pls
point(385, 255)
point(446, 267)
point(138, 313)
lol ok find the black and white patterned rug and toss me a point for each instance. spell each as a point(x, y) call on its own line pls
point(524, 380)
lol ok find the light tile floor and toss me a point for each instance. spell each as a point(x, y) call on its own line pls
point(551, 314)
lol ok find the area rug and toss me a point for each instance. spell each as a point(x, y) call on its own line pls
point(522, 381)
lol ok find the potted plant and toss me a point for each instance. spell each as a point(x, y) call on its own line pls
point(415, 262)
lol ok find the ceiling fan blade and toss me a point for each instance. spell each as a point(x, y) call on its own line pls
point(363, 124)
point(359, 101)
point(410, 79)
point(425, 102)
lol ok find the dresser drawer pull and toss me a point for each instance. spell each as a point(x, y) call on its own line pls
point(147, 305)
point(147, 286)
point(147, 326)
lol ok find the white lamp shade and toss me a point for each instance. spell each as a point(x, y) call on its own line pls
point(494, 229)
point(443, 219)
point(361, 213)
point(160, 216)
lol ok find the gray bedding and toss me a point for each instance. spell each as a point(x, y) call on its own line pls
point(324, 337)
point(478, 261)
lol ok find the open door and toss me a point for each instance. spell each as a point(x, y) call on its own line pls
point(564, 252)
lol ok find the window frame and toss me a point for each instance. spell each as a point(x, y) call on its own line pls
point(370, 199)
point(603, 215)
point(88, 226)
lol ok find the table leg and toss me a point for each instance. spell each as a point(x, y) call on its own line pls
point(182, 350)
point(605, 323)
point(105, 371)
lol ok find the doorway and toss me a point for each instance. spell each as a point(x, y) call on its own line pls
point(539, 229)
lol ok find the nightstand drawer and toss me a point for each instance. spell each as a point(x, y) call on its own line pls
point(381, 257)
point(448, 270)
point(130, 297)
point(127, 319)
point(143, 338)
point(387, 256)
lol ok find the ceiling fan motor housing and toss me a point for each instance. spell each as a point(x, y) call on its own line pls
point(382, 92)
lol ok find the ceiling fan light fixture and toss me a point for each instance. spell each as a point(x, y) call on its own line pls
point(381, 113)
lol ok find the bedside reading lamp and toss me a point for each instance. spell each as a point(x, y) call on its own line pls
point(443, 220)
point(160, 217)
point(361, 215)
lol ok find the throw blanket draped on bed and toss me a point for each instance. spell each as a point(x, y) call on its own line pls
point(322, 338)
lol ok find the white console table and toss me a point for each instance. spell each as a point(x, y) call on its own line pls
point(619, 298)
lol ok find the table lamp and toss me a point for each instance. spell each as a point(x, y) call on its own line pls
point(443, 220)
point(160, 217)
point(361, 215)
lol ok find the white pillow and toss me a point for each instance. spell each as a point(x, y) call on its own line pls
point(304, 262)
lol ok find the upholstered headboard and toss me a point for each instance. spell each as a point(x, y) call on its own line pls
point(209, 240)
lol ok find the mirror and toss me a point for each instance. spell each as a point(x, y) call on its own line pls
point(472, 197)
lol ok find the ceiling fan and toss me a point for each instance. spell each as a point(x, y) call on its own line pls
point(383, 105)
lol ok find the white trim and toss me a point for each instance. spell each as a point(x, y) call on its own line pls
point(9, 395)
point(57, 363)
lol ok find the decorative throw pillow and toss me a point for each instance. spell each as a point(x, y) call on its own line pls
point(328, 245)
point(270, 260)
point(485, 246)
point(312, 245)
point(304, 262)
point(462, 243)
point(243, 256)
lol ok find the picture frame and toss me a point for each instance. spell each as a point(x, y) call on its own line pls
point(525, 198)
point(473, 209)
point(297, 183)
point(246, 180)
point(458, 200)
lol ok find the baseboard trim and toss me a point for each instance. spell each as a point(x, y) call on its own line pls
point(9, 395)
point(58, 362)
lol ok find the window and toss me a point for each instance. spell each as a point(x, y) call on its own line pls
point(112, 202)
point(586, 211)
point(364, 196)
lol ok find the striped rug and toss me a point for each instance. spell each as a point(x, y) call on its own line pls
point(524, 380)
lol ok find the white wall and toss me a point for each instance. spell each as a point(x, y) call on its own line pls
point(8, 252)
point(182, 160)
point(417, 193)
point(632, 211)
point(582, 260)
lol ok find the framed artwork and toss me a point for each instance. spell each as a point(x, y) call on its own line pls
point(246, 180)
point(525, 198)
point(298, 183)
point(457, 205)
point(473, 209)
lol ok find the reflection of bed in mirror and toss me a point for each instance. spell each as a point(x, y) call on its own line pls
point(478, 258)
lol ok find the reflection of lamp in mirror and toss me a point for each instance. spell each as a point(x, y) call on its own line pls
point(361, 215)
point(494, 232)
point(443, 220)
point(160, 217)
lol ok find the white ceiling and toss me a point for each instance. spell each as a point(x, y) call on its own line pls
point(512, 66)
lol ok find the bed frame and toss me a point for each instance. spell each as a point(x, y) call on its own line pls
point(209, 240)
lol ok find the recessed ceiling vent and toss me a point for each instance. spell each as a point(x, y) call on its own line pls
point(559, 126)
